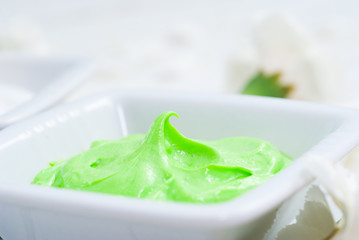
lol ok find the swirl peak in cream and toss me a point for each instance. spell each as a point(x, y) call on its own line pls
point(165, 165)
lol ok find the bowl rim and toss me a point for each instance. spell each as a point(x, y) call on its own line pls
point(68, 80)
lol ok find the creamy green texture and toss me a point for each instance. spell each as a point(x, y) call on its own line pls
point(164, 165)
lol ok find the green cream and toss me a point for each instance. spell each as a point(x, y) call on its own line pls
point(164, 165)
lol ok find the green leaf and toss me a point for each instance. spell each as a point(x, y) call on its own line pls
point(269, 85)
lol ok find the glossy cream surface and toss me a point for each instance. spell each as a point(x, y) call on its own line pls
point(164, 165)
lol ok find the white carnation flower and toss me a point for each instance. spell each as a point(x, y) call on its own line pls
point(281, 46)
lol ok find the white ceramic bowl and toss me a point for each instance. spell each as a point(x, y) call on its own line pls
point(34, 212)
point(43, 80)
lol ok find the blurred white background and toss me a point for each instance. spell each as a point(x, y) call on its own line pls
point(185, 45)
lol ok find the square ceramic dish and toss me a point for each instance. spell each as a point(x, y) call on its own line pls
point(33, 212)
point(30, 84)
